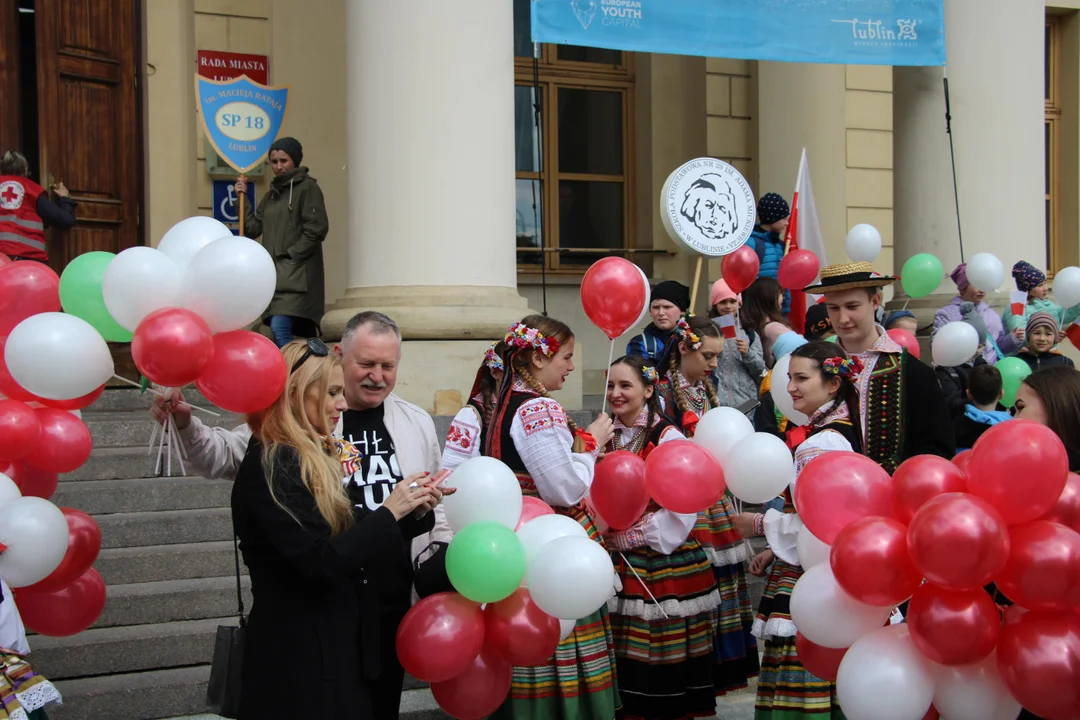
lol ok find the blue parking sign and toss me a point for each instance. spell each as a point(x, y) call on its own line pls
point(227, 204)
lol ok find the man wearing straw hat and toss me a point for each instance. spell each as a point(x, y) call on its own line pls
point(902, 410)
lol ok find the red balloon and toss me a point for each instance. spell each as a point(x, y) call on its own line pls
point(821, 661)
point(8, 387)
point(477, 692)
point(740, 268)
point(683, 477)
point(953, 627)
point(870, 561)
point(19, 429)
point(67, 611)
point(838, 488)
point(64, 444)
point(1039, 659)
point(4, 260)
point(1067, 508)
point(519, 632)
point(1020, 467)
point(246, 373)
point(1043, 570)
point(958, 541)
point(906, 339)
point(32, 481)
point(614, 294)
point(618, 490)
point(440, 637)
point(84, 544)
point(172, 346)
point(921, 478)
point(798, 269)
point(532, 507)
point(75, 404)
point(961, 460)
point(932, 714)
point(26, 288)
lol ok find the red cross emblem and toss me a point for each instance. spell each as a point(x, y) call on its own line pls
point(11, 195)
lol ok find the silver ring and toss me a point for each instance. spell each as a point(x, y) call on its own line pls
point(414, 486)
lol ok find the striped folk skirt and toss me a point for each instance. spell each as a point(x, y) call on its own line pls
point(787, 690)
point(665, 664)
point(736, 654)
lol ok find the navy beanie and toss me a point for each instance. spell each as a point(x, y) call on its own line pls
point(674, 292)
point(772, 208)
point(291, 147)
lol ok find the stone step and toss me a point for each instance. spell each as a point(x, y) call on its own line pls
point(98, 497)
point(134, 429)
point(165, 527)
point(111, 463)
point(105, 651)
point(134, 696)
point(167, 601)
point(121, 398)
point(153, 563)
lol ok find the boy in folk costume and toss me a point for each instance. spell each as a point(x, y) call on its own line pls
point(902, 411)
point(688, 395)
point(554, 461)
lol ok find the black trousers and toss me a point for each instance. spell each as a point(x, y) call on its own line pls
point(385, 690)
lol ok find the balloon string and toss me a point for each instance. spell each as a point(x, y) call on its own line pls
point(610, 359)
point(651, 596)
point(158, 392)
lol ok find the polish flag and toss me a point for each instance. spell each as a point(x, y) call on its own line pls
point(803, 231)
point(1017, 300)
point(726, 323)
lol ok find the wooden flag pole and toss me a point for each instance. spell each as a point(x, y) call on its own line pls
point(697, 281)
point(243, 197)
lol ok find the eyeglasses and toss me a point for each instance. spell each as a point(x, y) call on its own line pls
point(315, 347)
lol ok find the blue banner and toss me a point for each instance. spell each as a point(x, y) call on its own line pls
point(857, 32)
point(241, 118)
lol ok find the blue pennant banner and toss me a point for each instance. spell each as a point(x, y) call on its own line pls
point(241, 118)
point(857, 32)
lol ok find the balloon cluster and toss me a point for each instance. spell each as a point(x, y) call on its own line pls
point(938, 533)
point(523, 576)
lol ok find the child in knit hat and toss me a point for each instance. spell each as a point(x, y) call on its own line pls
point(1032, 280)
point(995, 341)
point(740, 365)
point(668, 302)
point(1042, 335)
point(767, 240)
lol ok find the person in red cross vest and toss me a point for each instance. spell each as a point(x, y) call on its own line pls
point(26, 210)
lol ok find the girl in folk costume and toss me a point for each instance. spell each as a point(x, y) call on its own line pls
point(688, 395)
point(463, 439)
point(662, 619)
point(822, 385)
point(553, 460)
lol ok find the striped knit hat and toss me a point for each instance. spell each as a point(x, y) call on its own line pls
point(1042, 320)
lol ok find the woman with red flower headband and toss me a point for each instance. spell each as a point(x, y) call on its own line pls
point(662, 619)
point(822, 385)
point(688, 395)
point(554, 461)
point(463, 439)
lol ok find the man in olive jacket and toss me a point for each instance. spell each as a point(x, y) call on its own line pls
point(291, 218)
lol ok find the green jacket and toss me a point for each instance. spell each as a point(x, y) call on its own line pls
point(291, 218)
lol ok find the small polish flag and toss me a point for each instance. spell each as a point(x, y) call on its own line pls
point(1073, 333)
point(1017, 301)
point(727, 326)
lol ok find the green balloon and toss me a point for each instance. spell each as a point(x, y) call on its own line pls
point(80, 294)
point(921, 275)
point(1013, 371)
point(485, 562)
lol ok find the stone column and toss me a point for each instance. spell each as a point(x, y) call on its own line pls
point(430, 134)
point(995, 65)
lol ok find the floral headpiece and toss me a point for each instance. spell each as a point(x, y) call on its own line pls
point(685, 334)
point(844, 367)
point(523, 337)
point(651, 376)
point(492, 359)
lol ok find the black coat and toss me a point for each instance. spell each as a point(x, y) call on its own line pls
point(954, 382)
point(315, 614)
point(1046, 360)
point(927, 421)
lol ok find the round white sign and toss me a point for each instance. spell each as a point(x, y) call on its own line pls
point(708, 207)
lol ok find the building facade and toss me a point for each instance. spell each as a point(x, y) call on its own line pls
point(419, 121)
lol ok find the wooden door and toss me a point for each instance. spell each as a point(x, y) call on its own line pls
point(90, 127)
point(9, 75)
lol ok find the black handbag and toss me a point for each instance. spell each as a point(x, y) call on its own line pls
point(223, 690)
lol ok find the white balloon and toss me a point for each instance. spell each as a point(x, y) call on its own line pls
point(1067, 286)
point(985, 272)
point(58, 356)
point(571, 577)
point(759, 468)
point(954, 344)
point(827, 615)
point(487, 491)
point(648, 299)
point(883, 677)
point(8, 490)
point(720, 429)
point(188, 237)
point(973, 692)
point(137, 282)
point(565, 628)
point(36, 535)
point(229, 283)
point(780, 396)
point(540, 531)
point(863, 243)
point(811, 550)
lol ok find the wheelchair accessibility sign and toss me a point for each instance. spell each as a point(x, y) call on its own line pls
point(227, 203)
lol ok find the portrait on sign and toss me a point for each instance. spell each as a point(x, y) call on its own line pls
point(708, 207)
